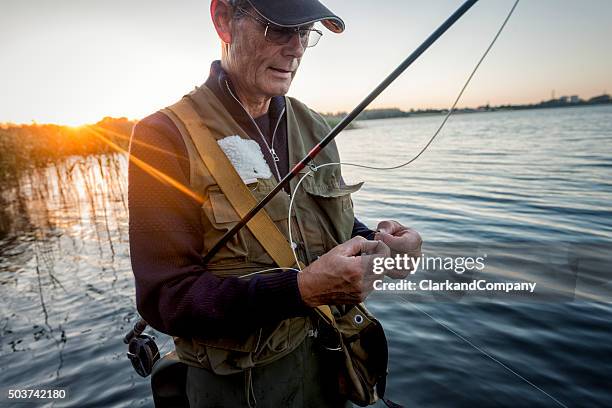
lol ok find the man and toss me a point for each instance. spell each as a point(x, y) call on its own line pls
point(248, 340)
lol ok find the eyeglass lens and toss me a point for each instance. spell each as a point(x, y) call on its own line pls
point(280, 35)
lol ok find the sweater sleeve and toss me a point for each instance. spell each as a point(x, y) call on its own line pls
point(174, 292)
point(359, 228)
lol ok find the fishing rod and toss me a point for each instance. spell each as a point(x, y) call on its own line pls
point(342, 125)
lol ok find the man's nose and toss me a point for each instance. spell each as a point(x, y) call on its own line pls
point(295, 46)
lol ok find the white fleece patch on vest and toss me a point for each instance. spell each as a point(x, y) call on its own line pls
point(247, 158)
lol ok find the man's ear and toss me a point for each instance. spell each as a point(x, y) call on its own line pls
point(221, 13)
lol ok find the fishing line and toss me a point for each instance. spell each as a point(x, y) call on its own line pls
point(415, 157)
point(431, 139)
point(162, 347)
point(483, 352)
point(454, 105)
point(268, 270)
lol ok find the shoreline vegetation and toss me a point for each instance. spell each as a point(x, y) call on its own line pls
point(28, 147)
point(38, 161)
point(31, 146)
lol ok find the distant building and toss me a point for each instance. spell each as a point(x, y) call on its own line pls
point(563, 99)
point(600, 99)
point(574, 99)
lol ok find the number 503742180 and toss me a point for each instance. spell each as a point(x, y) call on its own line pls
point(55, 393)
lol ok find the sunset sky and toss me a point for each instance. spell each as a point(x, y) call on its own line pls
point(76, 61)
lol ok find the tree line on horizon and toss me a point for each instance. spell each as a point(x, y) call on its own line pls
point(37, 145)
point(385, 113)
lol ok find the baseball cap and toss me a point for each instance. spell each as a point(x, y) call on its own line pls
point(293, 13)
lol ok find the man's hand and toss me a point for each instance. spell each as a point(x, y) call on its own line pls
point(343, 275)
point(401, 240)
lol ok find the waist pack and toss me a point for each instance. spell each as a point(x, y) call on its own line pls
point(357, 342)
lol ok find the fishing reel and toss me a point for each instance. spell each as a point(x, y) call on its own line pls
point(142, 350)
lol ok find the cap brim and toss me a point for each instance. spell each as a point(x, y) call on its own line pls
point(293, 13)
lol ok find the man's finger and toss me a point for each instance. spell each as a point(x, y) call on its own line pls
point(389, 227)
point(377, 248)
point(367, 263)
point(352, 247)
point(385, 237)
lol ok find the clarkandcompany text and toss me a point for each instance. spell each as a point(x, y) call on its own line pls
point(474, 285)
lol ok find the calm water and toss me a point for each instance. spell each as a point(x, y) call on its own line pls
point(545, 176)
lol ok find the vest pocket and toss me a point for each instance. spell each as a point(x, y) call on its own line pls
point(230, 355)
point(342, 194)
point(335, 210)
point(220, 217)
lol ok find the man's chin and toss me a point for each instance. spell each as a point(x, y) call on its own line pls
point(275, 88)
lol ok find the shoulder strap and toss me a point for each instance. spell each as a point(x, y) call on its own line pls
point(237, 193)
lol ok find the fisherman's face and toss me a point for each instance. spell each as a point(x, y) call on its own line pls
point(265, 69)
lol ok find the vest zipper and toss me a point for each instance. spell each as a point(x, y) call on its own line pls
point(275, 157)
point(302, 251)
point(278, 121)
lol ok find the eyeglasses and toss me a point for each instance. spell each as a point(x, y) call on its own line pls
point(309, 37)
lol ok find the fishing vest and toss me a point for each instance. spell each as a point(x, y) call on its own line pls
point(322, 218)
